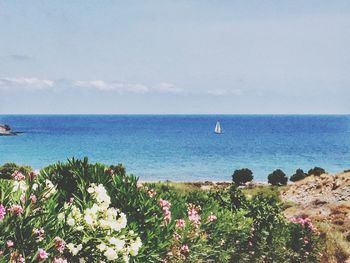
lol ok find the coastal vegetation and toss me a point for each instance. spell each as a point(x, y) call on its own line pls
point(242, 176)
point(82, 212)
point(277, 177)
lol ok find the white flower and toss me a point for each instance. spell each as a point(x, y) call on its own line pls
point(135, 246)
point(51, 188)
point(75, 213)
point(74, 250)
point(118, 243)
point(102, 247)
point(79, 228)
point(110, 254)
point(71, 222)
point(90, 190)
point(35, 186)
point(60, 217)
point(19, 185)
point(82, 260)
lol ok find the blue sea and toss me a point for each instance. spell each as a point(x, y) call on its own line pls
point(182, 147)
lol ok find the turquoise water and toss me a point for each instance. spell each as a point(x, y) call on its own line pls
point(182, 147)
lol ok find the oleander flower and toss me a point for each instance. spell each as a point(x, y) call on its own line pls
point(50, 187)
point(165, 205)
point(117, 243)
point(35, 186)
point(110, 254)
point(193, 214)
point(33, 174)
point(135, 246)
point(180, 223)
point(151, 193)
point(101, 196)
point(16, 209)
point(9, 243)
point(39, 234)
point(2, 212)
point(33, 198)
point(59, 260)
point(185, 249)
point(18, 176)
point(21, 259)
point(177, 236)
point(212, 217)
point(60, 244)
point(42, 254)
point(101, 247)
point(19, 186)
point(74, 249)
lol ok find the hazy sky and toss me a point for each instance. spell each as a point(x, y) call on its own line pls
point(175, 56)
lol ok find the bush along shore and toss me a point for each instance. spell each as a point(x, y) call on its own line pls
point(82, 212)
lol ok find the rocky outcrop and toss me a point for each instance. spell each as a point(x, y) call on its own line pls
point(5, 130)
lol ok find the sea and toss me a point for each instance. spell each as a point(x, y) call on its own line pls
point(182, 147)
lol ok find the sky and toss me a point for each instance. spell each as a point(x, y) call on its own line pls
point(175, 57)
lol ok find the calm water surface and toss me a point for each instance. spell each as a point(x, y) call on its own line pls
point(182, 147)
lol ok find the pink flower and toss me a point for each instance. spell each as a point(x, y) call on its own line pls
point(16, 209)
point(166, 215)
point(177, 236)
point(151, 193)
point(164, 203)
point(33, 198)
point(39, 233)
point(21, 259)
point(180, 223)
point(9, 243)
point(59, 260)
point(185, 249)
point(60, 244)
point(212, 217)
point(17, 175)
point(42, 254)
point(1, 253)
point(2, 212)
point(193, 214)
point(33, 174)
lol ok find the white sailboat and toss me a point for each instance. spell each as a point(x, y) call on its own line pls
point(218, 128)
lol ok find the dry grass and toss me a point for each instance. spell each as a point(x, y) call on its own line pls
point(336, 248)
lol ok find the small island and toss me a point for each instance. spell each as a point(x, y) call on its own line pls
point(5, 130)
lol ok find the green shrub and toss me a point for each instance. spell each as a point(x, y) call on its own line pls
point(299, 175)
point(238, 199)
point(277, 177)
point(220, 225)
point(74, 177)
point(7, 169)
point(316, 171)
point(242, 176)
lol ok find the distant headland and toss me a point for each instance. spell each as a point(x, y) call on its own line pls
point(5, 130)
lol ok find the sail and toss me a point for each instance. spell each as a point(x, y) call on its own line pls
point(217, 128)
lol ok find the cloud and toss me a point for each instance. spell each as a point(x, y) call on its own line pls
point(18, 58)
point(25, 83)
point(35, 84)
point(119, 87)
point(223, 92)
point(124, 87)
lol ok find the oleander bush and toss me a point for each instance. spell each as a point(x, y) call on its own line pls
point(82, 212)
